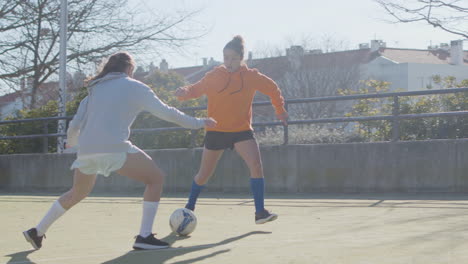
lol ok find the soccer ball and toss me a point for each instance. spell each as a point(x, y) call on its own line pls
point(183, 221)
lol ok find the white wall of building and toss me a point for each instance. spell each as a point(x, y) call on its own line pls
point(411, 76)
point(420, 75)
point(10, 108)
point(382, 69)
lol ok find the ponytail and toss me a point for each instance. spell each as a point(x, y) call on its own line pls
point(118, 62)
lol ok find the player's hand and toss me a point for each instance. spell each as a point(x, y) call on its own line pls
point(283, 117)
point(210, 122)
point(181, 92)
point(69, 149)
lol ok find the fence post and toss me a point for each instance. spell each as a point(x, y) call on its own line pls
point(396, 121)
point(45, 140)
point(193, 133)
point(285, 128)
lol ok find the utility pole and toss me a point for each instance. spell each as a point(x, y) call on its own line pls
point(62, 124)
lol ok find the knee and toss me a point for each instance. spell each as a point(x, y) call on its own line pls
point(79, 195)
point(256, 169)
point(157, 178)
point(257, 166)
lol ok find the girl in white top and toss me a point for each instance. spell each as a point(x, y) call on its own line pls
point(100, 131)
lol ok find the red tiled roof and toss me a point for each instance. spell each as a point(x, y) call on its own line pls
point(8, 98)
point(340, 58)
point(185, 71)
point(276, 67)
point(47, 91)
point(438, 56)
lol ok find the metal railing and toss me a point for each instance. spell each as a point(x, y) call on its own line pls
point(395, 117)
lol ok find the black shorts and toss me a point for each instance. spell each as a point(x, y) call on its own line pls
point(215, 140)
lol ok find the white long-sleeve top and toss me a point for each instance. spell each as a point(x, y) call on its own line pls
point(103, 120)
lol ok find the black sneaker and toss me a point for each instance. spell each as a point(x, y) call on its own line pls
point(149, 242)
point(265, 216)
point(32, 237)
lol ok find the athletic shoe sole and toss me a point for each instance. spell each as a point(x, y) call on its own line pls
point(30, 240)
point(270, 218)
point(142, 246)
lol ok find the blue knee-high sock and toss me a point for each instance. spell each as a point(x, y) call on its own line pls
point(258, 189)
point(194, 193)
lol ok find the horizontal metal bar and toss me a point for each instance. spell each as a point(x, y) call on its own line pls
point(159, 129)
point(287, 101)
point(33, 136)
point(439, 114)
point(364, 118)
point(292, 122)
point(290, 101)
point(42, 119)
point(367, 96)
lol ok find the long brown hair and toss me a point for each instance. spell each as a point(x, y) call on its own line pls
point(237, 45)
point(117, 62)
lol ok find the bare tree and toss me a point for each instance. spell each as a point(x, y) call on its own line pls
point(311, 68)
point(325, 43)
point(311, 82)
point(29, 36)
point(448, 15)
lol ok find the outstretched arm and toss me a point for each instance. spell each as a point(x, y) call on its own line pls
point(152, 104)
point(268, 87)
point(195, 90)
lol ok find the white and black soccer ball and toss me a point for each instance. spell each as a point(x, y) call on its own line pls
point(183, 221)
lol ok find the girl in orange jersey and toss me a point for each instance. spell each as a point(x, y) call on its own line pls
point(230, 89)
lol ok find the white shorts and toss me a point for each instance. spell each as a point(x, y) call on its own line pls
point(102, 163)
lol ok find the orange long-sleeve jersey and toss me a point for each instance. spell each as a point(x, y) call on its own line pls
point(230, 96)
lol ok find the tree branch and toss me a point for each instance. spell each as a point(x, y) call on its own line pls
point(425, 10)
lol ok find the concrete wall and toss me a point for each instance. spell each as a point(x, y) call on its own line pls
point(439, 165)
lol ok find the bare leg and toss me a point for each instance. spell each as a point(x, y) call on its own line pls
point(208, 164)
point(250, 153)
point(141, 167)
point(82, 185)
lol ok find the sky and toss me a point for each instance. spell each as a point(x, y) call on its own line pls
point(271, 25)
point(277, 24)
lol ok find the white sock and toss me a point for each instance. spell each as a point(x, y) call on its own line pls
point(54, 213)
point(149, 213)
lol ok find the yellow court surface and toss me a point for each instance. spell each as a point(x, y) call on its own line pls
point(312, 229)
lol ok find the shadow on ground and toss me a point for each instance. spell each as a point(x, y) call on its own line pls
point(20, 257)
point(163, 255)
